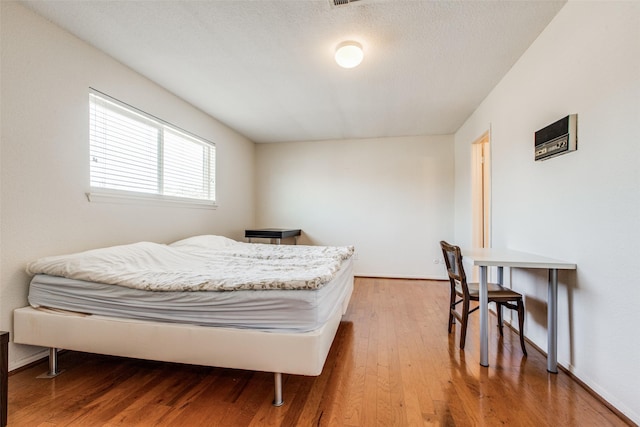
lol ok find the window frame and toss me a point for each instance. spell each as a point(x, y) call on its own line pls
point(111, 195)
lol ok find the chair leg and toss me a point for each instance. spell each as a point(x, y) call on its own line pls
point(463, 323)
point(499, 311)
point(521, 325)
point(452, 302)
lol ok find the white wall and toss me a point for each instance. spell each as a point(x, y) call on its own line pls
point(390, 197)
point(582, 207)
point(46, 74)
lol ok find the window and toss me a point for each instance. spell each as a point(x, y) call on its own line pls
point(133, 154)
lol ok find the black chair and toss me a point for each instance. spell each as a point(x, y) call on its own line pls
point(467, 292)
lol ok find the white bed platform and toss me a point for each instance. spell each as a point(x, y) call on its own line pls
point(278, 352)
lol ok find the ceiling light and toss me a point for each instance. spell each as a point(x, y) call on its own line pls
point(349, 54)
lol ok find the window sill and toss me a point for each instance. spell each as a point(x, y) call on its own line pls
point(125, 197)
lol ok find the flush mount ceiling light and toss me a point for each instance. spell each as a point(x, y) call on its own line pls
point(349, 54)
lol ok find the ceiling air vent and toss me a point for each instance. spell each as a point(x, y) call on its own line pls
point(340, 3)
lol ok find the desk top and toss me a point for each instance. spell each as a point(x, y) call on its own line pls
point(498, 257)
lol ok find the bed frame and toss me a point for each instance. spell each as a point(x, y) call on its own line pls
point(277, 352)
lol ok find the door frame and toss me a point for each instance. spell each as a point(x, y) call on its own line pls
point(481, 191)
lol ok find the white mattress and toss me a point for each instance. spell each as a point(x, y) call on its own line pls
point(265, 310)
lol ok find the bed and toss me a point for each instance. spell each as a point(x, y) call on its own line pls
point(206, 300)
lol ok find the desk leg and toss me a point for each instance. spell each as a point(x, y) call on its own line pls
point(484, 317)
point(552, 322)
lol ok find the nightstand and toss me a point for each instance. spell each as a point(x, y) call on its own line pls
point(274, 234)
point(4, 373)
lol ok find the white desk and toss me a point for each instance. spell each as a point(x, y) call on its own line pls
point(500, 258)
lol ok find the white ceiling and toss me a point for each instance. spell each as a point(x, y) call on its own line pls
point(266, 69)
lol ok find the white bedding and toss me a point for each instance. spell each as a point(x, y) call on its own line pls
point(201, 263)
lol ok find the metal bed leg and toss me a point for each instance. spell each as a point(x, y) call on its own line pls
point(277, 399)
point(53, 365)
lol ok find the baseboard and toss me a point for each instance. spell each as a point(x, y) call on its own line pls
point(575, 378)
point(430, 279)
point(28, 362)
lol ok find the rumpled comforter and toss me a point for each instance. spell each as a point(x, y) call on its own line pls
point(201, 263)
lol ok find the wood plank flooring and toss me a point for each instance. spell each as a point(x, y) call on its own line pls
point(392, 364)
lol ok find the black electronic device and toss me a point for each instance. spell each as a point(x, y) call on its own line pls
point(558, 138)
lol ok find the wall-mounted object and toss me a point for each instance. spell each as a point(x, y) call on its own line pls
point(558, 138)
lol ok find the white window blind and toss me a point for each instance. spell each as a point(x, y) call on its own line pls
point(135, 153)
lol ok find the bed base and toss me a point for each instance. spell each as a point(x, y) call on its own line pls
point(278, 352)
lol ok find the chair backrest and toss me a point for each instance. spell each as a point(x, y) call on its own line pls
point(453, 260)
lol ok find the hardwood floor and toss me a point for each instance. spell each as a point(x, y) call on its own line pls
point(392, 364)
